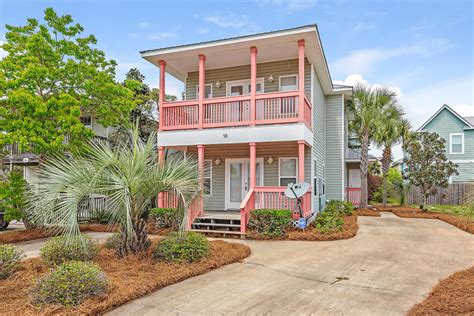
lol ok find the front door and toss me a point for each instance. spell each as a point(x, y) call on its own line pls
point(354, 178)
point(237, 180)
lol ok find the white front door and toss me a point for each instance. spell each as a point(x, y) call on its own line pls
point(354, 178)
point(237, 180)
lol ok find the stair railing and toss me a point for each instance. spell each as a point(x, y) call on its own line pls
point(246, 206)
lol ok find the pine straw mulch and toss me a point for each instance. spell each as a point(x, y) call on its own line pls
point(367, 212)
point(313, 234)
point(128, 279)
point(32, 234)
point(408, 212)
point(452, 296)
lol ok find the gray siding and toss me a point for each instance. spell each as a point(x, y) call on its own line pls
point(319, 136)
point(264, 70)
point(334, 147)
point(446, 123)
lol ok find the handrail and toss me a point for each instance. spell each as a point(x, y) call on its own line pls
point(247, 204)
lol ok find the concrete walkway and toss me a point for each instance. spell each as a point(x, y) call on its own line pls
point(32, 247)
point(389, 266)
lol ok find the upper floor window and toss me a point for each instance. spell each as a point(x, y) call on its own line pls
point(289, 83)
point(207, 178)
point(87, 121)
point(207, 91)
point(287, 171)
point(456, 143)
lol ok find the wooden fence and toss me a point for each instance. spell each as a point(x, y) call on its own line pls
point(454, 194)
point(89, 207)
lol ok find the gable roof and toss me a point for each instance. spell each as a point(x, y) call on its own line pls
point(467, 121)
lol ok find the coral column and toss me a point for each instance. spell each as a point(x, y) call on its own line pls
point(301, 81)
point(202, 88)
point(253, 82)
point(301, 160)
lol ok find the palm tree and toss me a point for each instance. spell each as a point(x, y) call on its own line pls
point(365, 110)
point(391, 129)
point(127, 174)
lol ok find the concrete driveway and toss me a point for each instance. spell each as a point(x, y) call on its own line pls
point(32, 247)
point(389, 266)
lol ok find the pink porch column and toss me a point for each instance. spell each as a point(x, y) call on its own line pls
point(202, 88)
point(162, 96)
point(301, 80)
point(253, 83)
point(201, 174)
point(301, 144)
point(253, 165)
point(161, 159)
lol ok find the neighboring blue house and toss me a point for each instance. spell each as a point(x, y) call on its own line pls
point(458, 132)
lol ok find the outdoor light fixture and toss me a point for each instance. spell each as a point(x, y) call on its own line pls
point(217, 161)
point(270, 79)
point(270, 160)
point(218, 84)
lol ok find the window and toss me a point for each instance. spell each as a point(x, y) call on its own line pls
point(456, 143)
point(87, 121)
point(287, 171)
point(207, 179)
point(207, 92)
point(289, 83)
point(315, 178)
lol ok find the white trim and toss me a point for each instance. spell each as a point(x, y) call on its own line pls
point(244, 83)
point(445, 106)
point(197, 91)
point(210, 176)
point(462, 161)
point(245, 174)
point(296, 170)
point(287, 76)
point(343, 145)
point(451, 143)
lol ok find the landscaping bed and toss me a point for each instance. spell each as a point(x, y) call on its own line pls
point(452, 296)
point(32, 234)
point(367, 212)
point(408, 212)
point(128, 278)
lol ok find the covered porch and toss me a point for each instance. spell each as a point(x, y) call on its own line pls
point(238, 178)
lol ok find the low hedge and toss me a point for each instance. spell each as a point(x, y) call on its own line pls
point(61, 249)
point(182, 247)
point(343, 207)
point(70, 284)
point(270, 222)
point(166, 217)
point(10, 257)
point(113, 241)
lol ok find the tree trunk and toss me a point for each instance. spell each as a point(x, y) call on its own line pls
point(136, 244)
point(386, 157)
point(364, 157)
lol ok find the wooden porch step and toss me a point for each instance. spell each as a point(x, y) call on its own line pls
point(215, 224)
point(223, 232)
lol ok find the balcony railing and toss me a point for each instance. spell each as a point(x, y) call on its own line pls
point(270, 108)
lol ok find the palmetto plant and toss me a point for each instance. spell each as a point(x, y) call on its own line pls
point(127, 174)
point(366, 109)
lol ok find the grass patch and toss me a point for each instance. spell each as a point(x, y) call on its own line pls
point(128, 278)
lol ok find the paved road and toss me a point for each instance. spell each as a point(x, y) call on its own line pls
point(32, 247)
point(389, 266)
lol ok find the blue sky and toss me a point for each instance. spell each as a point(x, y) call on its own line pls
point(423, 49)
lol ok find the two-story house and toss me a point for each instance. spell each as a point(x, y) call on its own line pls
point(458, 132)
point(260, 112)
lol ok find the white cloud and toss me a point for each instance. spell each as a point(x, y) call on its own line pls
point(228, 21)
point(143, 25)
point(364, 61)
point(363, 27)
point(353, 79)
point(292, 5)
point(153, 36)
point(202, 31)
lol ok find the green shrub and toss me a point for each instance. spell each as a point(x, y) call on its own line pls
point(113, 241)
point(343, 207)
point(10, 256)
point(101, 216)
point(328, 221)
point(61, 249)
point(70, 284)
point(167, 217)
point(182, 247)
point(270, 223)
